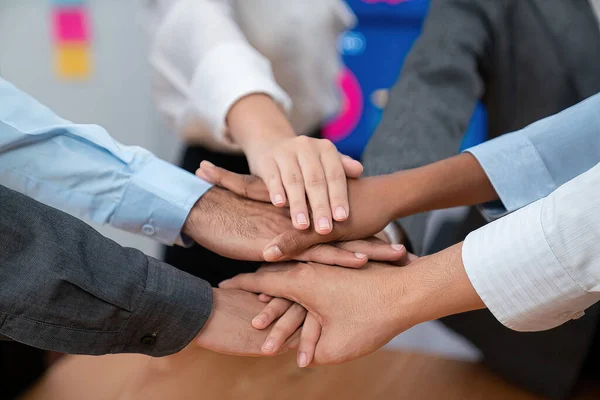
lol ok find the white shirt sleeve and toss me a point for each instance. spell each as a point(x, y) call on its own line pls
point(539, 267)
point(204, 64)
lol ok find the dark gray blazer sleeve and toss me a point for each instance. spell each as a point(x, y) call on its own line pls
point(431, 105)
point(65, 287)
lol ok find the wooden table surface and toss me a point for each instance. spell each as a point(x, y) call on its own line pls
point(204, 375)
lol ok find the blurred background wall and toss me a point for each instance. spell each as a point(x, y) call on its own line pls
point(117, 92)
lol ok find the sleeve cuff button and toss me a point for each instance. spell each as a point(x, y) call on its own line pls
point(148, 230)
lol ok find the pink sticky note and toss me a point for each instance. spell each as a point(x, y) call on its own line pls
point(70, 24)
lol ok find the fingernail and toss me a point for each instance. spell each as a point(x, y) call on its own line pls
point(398, 247)
point(324, 224)
point(208, 163)
point(340, 213)
point(259, 321)
point(302, 360)
point(360, 255)
point(273, 253)
point(301, 219)
point(278, 199)
point(269, 345)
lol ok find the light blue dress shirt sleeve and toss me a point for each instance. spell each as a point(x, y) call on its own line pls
point(82, 170)
point(529, 164)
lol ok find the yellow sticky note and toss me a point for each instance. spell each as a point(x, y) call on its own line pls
point(73, 60)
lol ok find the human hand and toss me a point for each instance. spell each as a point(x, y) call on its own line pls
point(228, 329)
point(293, 167)
point(372, 210)
point(358, 311)
point(240, 228)
point(288, 316)
point(299, 167)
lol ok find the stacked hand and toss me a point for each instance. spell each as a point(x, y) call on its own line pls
point(283, 316)
point(352, 312)
point(293, 167)
point(240, 228)
point(370, 212)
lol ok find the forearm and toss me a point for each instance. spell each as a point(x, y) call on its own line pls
point(437, 286)
point(111, 299)
point(456, 181)
point(57, 162)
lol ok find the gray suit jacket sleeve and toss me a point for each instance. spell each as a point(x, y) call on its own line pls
point(431, 105)
point(65, 287)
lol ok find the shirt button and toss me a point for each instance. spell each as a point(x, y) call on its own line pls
point(148, 230)
point(148, 340)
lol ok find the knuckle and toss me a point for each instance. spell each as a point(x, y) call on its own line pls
point(304, 271)
point(316, 180)
point(338, 199)
point(280, 330)
point(291, 241)
point(272, 178)
point(336, 175)
point(327, 145)
point(320, 209)
point(270, 312)
point(297, 205)
point(295, 179)
point(303, 140)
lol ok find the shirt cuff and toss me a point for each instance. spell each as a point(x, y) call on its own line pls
point(158, 200)
point(516, 171)
point(228, 73)
point(169, 315)
point(517, 276)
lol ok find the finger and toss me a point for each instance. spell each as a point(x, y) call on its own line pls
point(264, 298)
point(248, 186)
point(293, 182)
point(330, 255)
point(292, 343)
point(200, 174)
point(275, 309)
point(352, 168)
point(274, 283)
point(336, 184)
point(375, 249)
point(309, 337)
point(274, 185)
point(284, 328)
point(316, 190)
point(291, 243)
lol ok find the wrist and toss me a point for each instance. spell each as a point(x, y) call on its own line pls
point(394, 194)
point(407, 193)
point(198, 219)
point(438, 286)
point(257, 120)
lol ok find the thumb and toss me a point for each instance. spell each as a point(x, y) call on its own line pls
point(353, 168)
point(274, 283)
point(291, 243)
point(248, 186)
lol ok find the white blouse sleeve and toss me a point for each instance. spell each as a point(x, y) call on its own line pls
point(539, 267)
point(204, 64)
